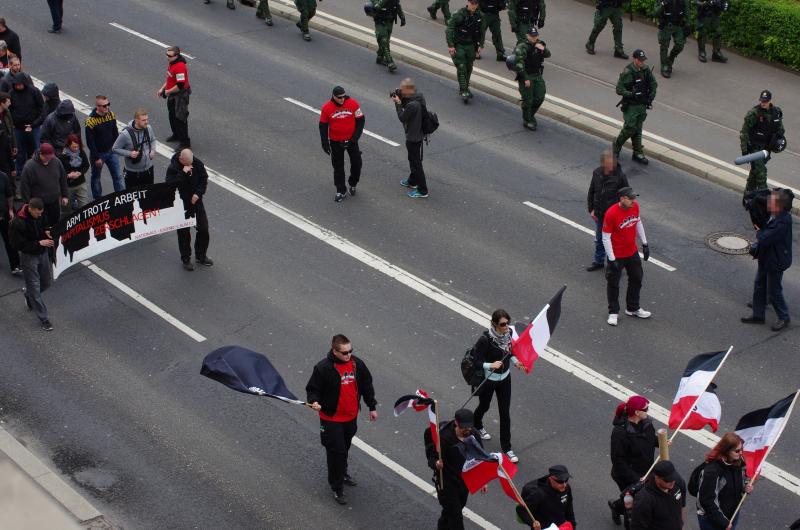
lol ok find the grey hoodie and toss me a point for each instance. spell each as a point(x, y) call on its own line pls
point(125, 144)
point(48, 182)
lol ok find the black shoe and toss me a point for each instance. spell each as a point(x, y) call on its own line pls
point(614, 515)
point(268, 21)
point(52, 30)
point(171, 138)
point(752, 320)
point(780, 325)
point(231, 5)
point(620, 54)
point(392, 66)
point(205, 261)
point(640, 159)
point(352, 191)
point(595, 266)
point(718, 58)
point(750, 305)
point(339, 498)
point(46, 325)
point(188, 265)
point(666, 72)
point(339, 197)
point(432, 12)
point(501, 58)
point(590, 50)
point(349, 480)
point(702, 57)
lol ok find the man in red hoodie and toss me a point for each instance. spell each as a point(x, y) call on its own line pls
point(335, 389)
point(341, 123)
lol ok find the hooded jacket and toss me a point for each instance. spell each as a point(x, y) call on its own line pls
point(548, 505)
point(48, 182)
point(654, 509)
point(409, 111)
point(51, 97)
point(82, 168)
point(325, 384)
point(59, 124)
point(26, 107)
point(25, 232)
point(132, 137)
point(632, 450)
point(194, 182)
point(721, 489)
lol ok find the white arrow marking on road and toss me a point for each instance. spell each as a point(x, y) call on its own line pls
point(315, 111)
point(589, 231)
point(770, 471)
point(145, 37)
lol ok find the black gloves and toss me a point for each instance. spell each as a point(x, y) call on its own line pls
point(795, 525)
point(326, 147)
point(613, 266)
point(540, 25)
point(646, 252)
point(402, 21)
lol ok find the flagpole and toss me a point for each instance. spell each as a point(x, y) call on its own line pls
point(440, 486)
point(741, 502)
point(478, 388)
point(686, 417)
point(516, 492)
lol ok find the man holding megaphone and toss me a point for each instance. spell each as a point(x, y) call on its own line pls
point(762, 131)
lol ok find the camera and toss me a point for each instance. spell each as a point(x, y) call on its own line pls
point(395, 92)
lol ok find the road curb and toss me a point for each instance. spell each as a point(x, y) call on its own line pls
point(86, 514)
point(658, 148)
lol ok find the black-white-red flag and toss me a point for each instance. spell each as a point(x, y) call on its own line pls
point(528, 342)
point(761, 429)
point(419, 402)
point(696, 403)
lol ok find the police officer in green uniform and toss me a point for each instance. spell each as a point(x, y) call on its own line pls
point(464, 39)
point(607, 10)
point(708, 14)
point(444, 5)
point(763, 124)
point(673, 24)
point(307, 9)
point(385, 15)
point(530, 57)
point(637, 85)
point(262, 12)
point(523, 14)
point(491, 21)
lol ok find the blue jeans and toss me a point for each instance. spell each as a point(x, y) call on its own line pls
point(27, 143)
point(767, 286)
point(705, 525)
point(109, 159)
point(599, 250)
point(56, 12)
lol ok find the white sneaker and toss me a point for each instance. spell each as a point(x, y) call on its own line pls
point(612, 319)
point(639, 313)
point(511, 456)
point(485, 435)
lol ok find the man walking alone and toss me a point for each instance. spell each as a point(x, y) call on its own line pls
point(341, 123)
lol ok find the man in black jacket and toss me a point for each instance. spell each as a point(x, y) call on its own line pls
point(335, 389)
point(30, 237)
point(190, 174)
point(11, 38)
point(26, 110)
point(661, 504)
point(451, 492)
point(773, 250)
point(549, 498)
point(410, 107)
point(59, 124)
point(607, 180)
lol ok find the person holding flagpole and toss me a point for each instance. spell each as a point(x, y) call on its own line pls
point(722, 484)
point(549, 500)
point(661, 504)
point(335, 389)
point(493, 355)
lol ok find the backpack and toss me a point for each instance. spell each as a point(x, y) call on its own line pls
point(693, 487)
point(430, 121)
point(472, 374)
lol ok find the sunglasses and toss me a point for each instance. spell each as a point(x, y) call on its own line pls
point(171, 55)
point(502, 324)
point(645, 409)
point(738, 451)
point(104, 106)
point(560, 481)
point(348, 352)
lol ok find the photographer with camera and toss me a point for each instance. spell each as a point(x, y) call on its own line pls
point(708, 14)
point(411, 108)
point(341, 123)
point(136, 144)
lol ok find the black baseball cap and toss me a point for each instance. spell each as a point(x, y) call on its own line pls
point(639, 54)
point(560, 472)
point(766, 95)
point(465, 418)
point(627, 191)
point(665, 470)
point(338, 91)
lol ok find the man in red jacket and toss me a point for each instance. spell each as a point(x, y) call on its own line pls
point(176, 91)
point(341, 123)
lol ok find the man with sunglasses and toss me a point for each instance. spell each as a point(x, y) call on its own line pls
point(661, 504)
point(549, 498)
point(335, 389)
point(101, 133)
point(176, 91)
point(341, 123)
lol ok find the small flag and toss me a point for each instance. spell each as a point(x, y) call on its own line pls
point(419, 401)
point(246, 371)
point(696, 394)
point(529, 341)
point(761, 429)
point(481, 467)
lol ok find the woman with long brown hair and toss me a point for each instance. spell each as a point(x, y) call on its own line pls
point(722, 484)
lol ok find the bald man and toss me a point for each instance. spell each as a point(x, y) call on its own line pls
point(189, 173)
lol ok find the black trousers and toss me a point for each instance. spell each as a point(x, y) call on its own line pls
point(56, 12)
point(180, 129)
point(452, 498)
point(619, 506)
point(337, 159)
point(417, 176)
point(633, 266)
point(201, 239)
point(13, 255)
point(336, 437)
point(52, 212)
point(138, 178)
point(503, 391)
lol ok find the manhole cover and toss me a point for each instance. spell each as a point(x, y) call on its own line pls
point(728, 243)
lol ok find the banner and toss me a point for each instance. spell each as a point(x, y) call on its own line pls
point(116, 220)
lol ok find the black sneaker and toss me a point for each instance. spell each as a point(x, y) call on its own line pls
point(594, 267)
point(338, 496)
point(614, 515)
point(349, 480)
point(27, 302)
point(46, 325)
point(780, 325)
point(171, 138)
point(352, 191)
point(188, 265)
point(339, 197)
point(205, 261)
point(752, 320)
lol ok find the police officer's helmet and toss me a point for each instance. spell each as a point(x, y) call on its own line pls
point(639, 54)
point(369, 9)
point(511, 62)
point(778, 144)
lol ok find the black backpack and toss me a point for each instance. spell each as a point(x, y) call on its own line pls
point(472, 374)
point(693, 487)
point(430, 121)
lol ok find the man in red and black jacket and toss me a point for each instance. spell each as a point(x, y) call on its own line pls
point(176, 90)
point(335, 388)
point(341, 123)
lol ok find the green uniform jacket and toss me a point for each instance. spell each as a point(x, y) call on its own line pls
point(305, 5)
point(460, 17)
point(752, 118)
point(660, 10)
point(379, 4)
point(706, 9)
point(625, 85)
point(521, 52)
point(512, 13)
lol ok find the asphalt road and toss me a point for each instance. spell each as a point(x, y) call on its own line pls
point(114, 398)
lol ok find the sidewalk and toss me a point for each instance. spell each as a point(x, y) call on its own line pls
point(702, 106)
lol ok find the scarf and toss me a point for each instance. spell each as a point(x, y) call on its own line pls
point(74, 157)
point(503, 341)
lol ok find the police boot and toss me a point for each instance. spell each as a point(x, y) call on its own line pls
point(432, 12)
point(665, 71)
point(390, 63)
point(465, 95)
point(702, 56)
point(619, 54)
point(589, 49)
point(717, 57)
point(268, 21)
point(530, 125)
point(231, 5)
point(640, 158)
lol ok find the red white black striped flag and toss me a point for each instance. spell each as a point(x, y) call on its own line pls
point(529, 341)
point(696, 404)
point(420, 401)
point(761, 429)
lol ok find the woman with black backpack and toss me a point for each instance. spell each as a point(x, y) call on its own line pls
point(721, 484)
point(493, 355)
point(633, 445)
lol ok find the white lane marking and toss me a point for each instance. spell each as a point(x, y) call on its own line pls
point(315, 111)
point(589, 231)
point(144, 301)
point(605, 384)
point(145, 37)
